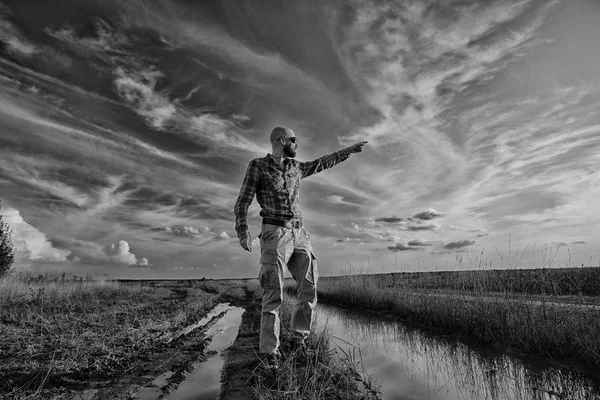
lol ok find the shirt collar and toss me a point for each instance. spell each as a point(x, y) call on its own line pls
point(271, 158)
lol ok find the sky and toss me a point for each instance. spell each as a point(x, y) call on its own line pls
point(126, 128)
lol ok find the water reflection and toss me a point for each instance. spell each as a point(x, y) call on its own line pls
point(412, 365)
point(204, 382)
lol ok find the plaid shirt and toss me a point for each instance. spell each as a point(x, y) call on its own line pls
point(277, 188)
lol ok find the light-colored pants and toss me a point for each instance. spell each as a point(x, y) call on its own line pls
point(289, 247)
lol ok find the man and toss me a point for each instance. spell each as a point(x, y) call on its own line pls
point(275, 180)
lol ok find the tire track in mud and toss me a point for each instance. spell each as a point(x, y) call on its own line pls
point(163, 370)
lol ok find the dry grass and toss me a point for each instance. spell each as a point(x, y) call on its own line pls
point(322, 374)
point(54, 329)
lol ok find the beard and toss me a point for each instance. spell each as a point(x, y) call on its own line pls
point(289, 150)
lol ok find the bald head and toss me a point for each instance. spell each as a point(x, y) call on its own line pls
point(279, 131)
point(283, 141)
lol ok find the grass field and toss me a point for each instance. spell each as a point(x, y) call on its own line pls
point(60, 335)
point(520, 310)
point(59, 330)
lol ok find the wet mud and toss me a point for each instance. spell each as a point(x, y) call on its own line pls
point(160, 373)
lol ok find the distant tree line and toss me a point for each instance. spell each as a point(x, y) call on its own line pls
point(7, 251)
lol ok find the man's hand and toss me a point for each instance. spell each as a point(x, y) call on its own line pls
point(358, 147)
point(246, 242)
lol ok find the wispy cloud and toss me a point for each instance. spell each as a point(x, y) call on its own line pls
point(136, 77)
point(412, 70)
point(133, 127)
point(15, 42)
point(138, 88)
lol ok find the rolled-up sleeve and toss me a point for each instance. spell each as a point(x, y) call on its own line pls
point(313, 167)
point(245, 198)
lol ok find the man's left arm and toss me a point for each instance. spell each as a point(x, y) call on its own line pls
point(313, 167)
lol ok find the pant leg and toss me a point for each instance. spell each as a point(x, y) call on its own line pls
point(303, 267)
point(271, 281)
point(274, 243)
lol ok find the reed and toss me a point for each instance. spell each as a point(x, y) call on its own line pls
point(504, 312)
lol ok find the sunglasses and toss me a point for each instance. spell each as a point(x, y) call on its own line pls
point(291, 139)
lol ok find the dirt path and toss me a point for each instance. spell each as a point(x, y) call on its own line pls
point(177, 359)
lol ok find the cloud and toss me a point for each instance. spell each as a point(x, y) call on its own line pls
point(138, 88)
point(120, 254)
point(203, 235)
point(107, 45)
point(186, 230)
point(419, 242)
point(30, 243)
point(136, 79)
point(220, 132)
point(15, 43)
point(428, 214)
point(391, 220)
point(459, 244)
point(400, 247)
point(408, 224)
point(554, 243)
point(415, 63)
point(224, 236)
point(352, 240)
point(255, 66)
point(423, 227)
point(336, 199)
point(481, 232)
point(30, 171)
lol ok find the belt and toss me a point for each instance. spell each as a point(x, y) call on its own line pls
point(286, 224)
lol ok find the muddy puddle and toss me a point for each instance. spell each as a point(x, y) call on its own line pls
point(409, 364)
point(204, 381)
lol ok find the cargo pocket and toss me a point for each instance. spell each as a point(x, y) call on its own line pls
point(269, 242)
point(270, 233)
point(312, 275)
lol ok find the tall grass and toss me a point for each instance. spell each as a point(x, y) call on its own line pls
point(460, 303)
point(542, 281)
point(29, 289)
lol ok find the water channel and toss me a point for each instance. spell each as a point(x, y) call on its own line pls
point(410, 364)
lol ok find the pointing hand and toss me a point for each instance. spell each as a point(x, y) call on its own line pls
point(358, 147)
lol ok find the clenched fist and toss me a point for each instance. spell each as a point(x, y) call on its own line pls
point(246, 241)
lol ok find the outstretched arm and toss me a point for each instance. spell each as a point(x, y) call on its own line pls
point(244, 200)
point(312, 167)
